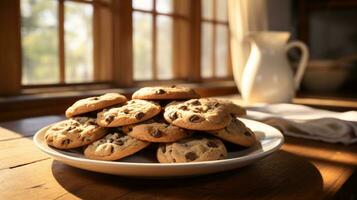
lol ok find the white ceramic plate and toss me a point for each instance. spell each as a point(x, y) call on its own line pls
point(144, 165)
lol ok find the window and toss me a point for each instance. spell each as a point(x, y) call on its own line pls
point(82, 41)
point(154, 22)
point(57, 41)
point(215, 62)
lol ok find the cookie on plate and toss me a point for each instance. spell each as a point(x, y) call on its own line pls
point(236, 132)
point(114, 146)
point(131, 112)
point(165, 93)
point(157, 132)
point(197, 114)
point(192, 150)
point(230, 107)
point(94, 103)
point(74, 132)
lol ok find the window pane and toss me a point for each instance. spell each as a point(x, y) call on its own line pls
point(164, 45)
point(207, 9)
point(78, 42)
point(39, 42)
point(221, 7)
point(221, 50)
point(206, 55)
point(164, 6)
point(142, 27)
point(142, 4)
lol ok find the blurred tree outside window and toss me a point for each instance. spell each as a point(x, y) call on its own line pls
point(154, 22)
point(40, 42)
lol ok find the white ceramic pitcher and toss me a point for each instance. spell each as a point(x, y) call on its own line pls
point(267, 76)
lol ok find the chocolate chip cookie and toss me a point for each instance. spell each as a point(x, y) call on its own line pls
point(157, 132)
point(95, 103)
point(131, 112)
point(192, 150)
point(237, 133)
point(197, 114)
point(74, 132)
point(230, 107)
point(114, 146)
point(165, 93)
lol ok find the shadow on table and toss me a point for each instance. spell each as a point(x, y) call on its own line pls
point(281, 175)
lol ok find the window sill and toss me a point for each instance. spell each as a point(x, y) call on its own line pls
point(47, 101)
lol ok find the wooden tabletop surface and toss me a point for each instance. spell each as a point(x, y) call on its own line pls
point(302, 169)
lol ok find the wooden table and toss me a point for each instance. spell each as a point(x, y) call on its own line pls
point(302, 169)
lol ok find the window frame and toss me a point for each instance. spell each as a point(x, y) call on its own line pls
point(96, 4)
point(155, 14)
point(214, 22)
point(120, 67)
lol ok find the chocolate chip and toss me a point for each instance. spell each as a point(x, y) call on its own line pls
point(173, 86)
point(119, 142)
point(247, 133)
point(173, 160)
point(160, 91)
point(156, 133)
point(92, 123)
point(221, 155)
point(173, 116)
point(216, 104)
point(212, 144)
point(139, 115)
point(66, 141)
point(196, 103)
point(126, 111)
point(111, 149)
point(109, 119)
point(191, 156)
point(195, 118)
point(163, 149)
point(183, 107)
point(130, 129)
point(95, 98)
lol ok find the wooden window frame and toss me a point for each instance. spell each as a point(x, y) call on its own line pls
point(214, 22)
point(155, 14)
point(116, 56)
point(96, 4)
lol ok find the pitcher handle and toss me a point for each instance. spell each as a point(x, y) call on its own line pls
point(303, 60)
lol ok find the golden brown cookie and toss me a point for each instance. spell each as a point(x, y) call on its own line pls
point(237, 133)
point(114, 146)
point(165, 93)
point(192, 150)
point(74, 132)
point(95, 103)
point(230, 107)
point(157, 132)
point(131, 112)
point(197, 114)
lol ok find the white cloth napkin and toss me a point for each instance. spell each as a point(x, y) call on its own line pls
point(306, 122)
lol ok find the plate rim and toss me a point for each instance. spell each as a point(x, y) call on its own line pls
point(54, 154)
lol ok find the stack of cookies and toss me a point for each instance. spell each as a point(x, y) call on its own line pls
point(179, 124)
